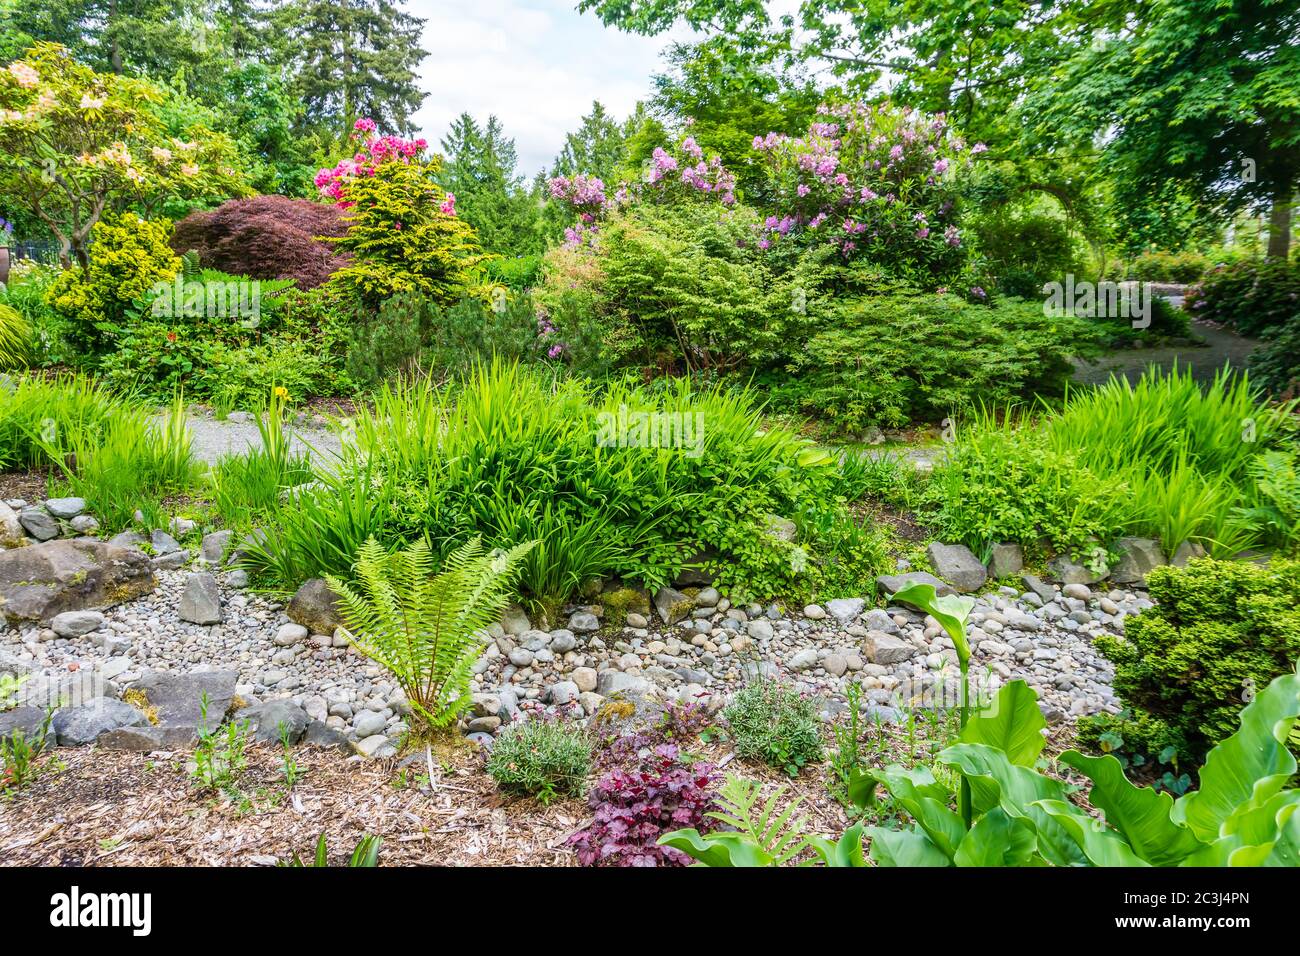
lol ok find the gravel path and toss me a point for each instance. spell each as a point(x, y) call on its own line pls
point(1221, 347)
point(216, 438)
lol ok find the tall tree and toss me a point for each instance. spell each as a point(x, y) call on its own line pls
point(351, 59)
point(1202, 93)
point(480, 169)
point(596, 148)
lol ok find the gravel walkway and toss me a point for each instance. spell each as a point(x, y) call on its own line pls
point(216, 438)
point(1221, 347)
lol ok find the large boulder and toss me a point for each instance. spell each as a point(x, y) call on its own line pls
point(881, 648)
point(77, 726)
point(893, 583)
point(315, 607)
point(1138, 557)
point(45, 579)
point(177, 699)
point(957, 564)
point(201, 600)
point(266, 720)
point(1065, 569)
point(672, 605)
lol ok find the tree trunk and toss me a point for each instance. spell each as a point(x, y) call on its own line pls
point(1279, 219)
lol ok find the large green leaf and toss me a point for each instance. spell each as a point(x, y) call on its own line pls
point(1100, 845)
point(998, 839)
point(1012, 723)
point(847, 851)
point(1248, 768)
point(995, 781)
point(902, 784)
point(1142, 816)
point(950, 611)
point(717, 849)
point(904, 848)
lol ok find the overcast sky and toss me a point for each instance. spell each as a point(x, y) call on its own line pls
point(536, 64)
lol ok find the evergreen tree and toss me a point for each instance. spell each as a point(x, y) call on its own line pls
point(595, 149)
point(480, 168)
point(349, 59)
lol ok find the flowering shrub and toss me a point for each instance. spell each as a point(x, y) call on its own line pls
point(128, 257)
point(875, 182)
point(266, 237)
point(633, 807)
point(403, 233)
point(101, 146)
point(670, 177)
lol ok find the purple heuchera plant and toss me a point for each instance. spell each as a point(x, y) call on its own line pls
point(634, 807)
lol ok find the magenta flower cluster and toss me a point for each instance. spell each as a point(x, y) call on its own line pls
point(869, 179)
point(372, 150)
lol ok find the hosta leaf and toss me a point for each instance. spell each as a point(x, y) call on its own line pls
point(950, 611)
point(998, 839)
point(847, 851)
point(995, 781)
point(717, 849)
point(904, 848)
point(1100, 845)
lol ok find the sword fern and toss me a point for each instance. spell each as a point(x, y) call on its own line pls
point(427, 628)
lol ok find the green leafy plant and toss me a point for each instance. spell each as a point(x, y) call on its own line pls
point(9, 685)
point(18, 753)
point(366, 854)
point(545, 759)
point(1242, 814)
point(427, 629)
point(772, 722)
point(1219, 632)
point(253, 484)
point(219, 755)
point(760, 835)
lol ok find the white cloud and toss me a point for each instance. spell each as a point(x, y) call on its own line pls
point(535, 64)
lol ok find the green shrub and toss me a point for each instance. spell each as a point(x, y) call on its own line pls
point(129, 256)
point(399, 241)
point(545, 759)
point(1221, 631)
point(1025, 250)
point(1162, 266)
point(512, 455)
point(774, 723)
point(894, 359)
point(1275, 366)
point(1164, 458)
point(519, 273)
point(680, 286)
point(1255, 297)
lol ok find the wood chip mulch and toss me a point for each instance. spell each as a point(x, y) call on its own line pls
point(105, 808)
point(27, 485)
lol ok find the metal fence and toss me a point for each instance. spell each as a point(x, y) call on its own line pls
point(47, 252)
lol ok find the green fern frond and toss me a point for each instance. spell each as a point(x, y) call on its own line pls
point(427, 626)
